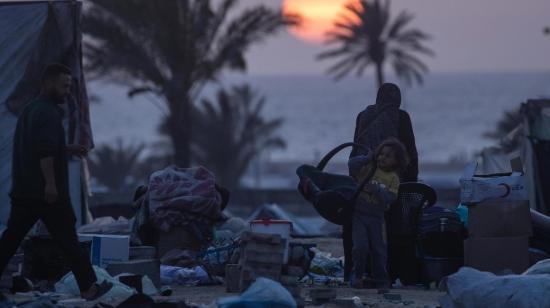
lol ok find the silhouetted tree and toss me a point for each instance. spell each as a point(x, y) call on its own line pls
point(115, 167)
point(172, 48)
point(368, 37)
point(231, 132)
point(508, 123)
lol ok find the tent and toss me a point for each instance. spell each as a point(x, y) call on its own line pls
point(534, 150)
point(32, 35)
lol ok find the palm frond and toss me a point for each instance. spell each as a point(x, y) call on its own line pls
point(371, 37)
point(233, 132)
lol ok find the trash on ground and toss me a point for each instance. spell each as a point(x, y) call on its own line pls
point(194, 276)
point(68, 285)
point(325, 264)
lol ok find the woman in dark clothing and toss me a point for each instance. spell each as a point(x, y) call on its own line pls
point(375, 124)
point(384, 120)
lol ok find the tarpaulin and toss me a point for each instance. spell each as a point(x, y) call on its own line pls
point(32, 35)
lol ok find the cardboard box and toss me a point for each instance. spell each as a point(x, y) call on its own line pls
point(107, 248)
point(272, 226)
point(478, 188)
point(499, 218)
point(495, 254)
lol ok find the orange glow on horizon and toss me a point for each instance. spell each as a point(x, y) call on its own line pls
point(318, 17)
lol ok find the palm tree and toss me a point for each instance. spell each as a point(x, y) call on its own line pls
point(231, 132)
point(115, 166)
point(366, 36)
point(172, 48)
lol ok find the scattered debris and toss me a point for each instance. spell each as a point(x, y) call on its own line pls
point(392, 296)
point(322, 295)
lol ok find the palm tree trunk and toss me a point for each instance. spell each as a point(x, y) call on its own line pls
point(379, 73)
point(180, 129)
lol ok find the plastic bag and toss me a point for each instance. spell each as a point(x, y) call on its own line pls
point(326, 265)
point(183, 276)
point(462, 211)
point(262, 293)
point(68, 285)
point(215, 258)
point(147, 285)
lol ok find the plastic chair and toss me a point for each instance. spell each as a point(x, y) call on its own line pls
point(404, 215)
point(402, 226)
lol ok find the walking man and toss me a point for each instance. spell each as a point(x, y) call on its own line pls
point(40, 188)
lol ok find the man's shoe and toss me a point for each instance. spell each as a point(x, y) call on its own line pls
point(21, 284)
point(382, 285)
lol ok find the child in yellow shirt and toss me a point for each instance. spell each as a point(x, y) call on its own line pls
point(368, 223)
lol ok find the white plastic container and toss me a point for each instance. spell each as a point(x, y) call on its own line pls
point(271, 226)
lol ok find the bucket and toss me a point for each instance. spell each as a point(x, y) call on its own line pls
point(434, 269)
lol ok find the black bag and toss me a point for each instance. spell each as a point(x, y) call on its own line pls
point(332, 195)
point(441, 233)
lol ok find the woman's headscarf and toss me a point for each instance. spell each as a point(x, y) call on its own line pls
point(380, 121)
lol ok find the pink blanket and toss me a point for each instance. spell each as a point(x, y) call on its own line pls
point(177, 195)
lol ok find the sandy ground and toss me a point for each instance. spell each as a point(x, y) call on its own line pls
point(207, 295)
point(369, 297)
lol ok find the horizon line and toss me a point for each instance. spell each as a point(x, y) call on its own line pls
point(367, 76)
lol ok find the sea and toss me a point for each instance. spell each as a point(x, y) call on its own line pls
point(450, 112)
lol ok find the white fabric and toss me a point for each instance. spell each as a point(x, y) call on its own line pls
point(542, 267)
point(493, 161)
point(67, 285)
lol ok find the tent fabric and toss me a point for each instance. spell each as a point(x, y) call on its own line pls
point(32, 35)
point(16, 41)
point(535, 149)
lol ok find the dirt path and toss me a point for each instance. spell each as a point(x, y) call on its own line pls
point(369, 297)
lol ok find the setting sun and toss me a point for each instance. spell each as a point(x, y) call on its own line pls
point(318, 17)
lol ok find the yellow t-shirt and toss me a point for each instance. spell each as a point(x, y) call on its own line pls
point(389, 181)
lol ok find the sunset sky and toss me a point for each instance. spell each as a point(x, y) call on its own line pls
point(468, 35)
